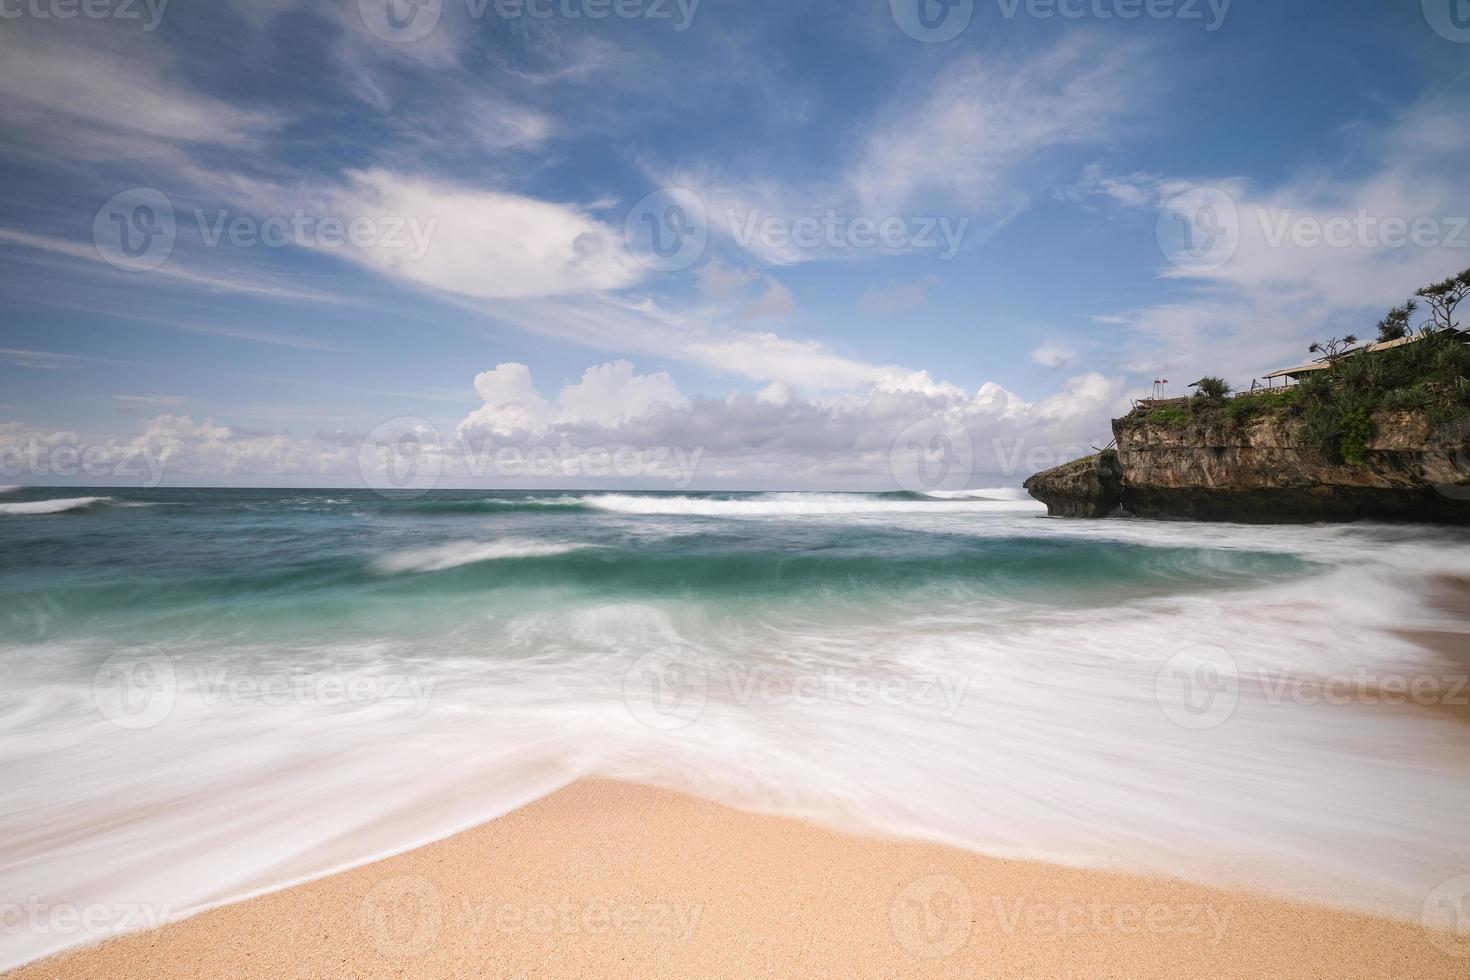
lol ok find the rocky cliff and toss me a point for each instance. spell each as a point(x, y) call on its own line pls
point(1174, 465)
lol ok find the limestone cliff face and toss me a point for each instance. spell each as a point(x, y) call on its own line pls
point(1091, 487)
point(1265, 472)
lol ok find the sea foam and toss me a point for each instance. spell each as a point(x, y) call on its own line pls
point(54, 506)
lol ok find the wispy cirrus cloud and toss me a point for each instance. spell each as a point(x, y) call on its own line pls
point(968, 146)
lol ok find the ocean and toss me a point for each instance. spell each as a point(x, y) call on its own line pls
point(213, 693)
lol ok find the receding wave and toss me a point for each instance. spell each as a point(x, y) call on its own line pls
point(439, 558)
point(799, 504)
point(35, 507)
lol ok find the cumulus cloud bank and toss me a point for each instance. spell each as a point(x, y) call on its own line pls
point(881, 437)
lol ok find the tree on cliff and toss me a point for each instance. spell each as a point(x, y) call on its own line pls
point(1212, 387)
point(1442, 298)
point(1334, 348)
point(1397, 325)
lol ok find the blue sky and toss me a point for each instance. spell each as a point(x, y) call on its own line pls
point(502, 289)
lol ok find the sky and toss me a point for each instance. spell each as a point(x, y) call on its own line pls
point(923, 245)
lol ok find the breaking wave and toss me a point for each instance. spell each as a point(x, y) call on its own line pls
point(439, 558)
point(35, 507)
point(801, 504)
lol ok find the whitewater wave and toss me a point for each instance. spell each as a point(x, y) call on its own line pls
point(496, 505)
point(992, 493)
point(439, 558)
point(799, 504)
point(9, 489)
point(35, 507)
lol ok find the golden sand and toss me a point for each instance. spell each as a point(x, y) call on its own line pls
point(610, 880)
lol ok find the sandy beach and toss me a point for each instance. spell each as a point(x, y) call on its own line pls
point(607, 879)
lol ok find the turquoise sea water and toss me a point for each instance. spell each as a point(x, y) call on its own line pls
point(213, 692)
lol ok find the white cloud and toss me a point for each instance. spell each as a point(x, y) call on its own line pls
point(608, 396)
point(778, 438)
point(968, 141)
point(150, 401)
point(93, 101)
point(512, 403)
point(1054, 355)
point(967, 145)
point(173, 270)
point(44, 360)
point(1136, 190)
point(1279, 292)
point(768, 357)
point(611, 394)
point(486, 244)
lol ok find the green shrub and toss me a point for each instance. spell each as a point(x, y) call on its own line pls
point(1408, 399)
point(1244, 409)
point(1212, 387)
point(1336, 406)
point(1357, 432)
point(1171, 415)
